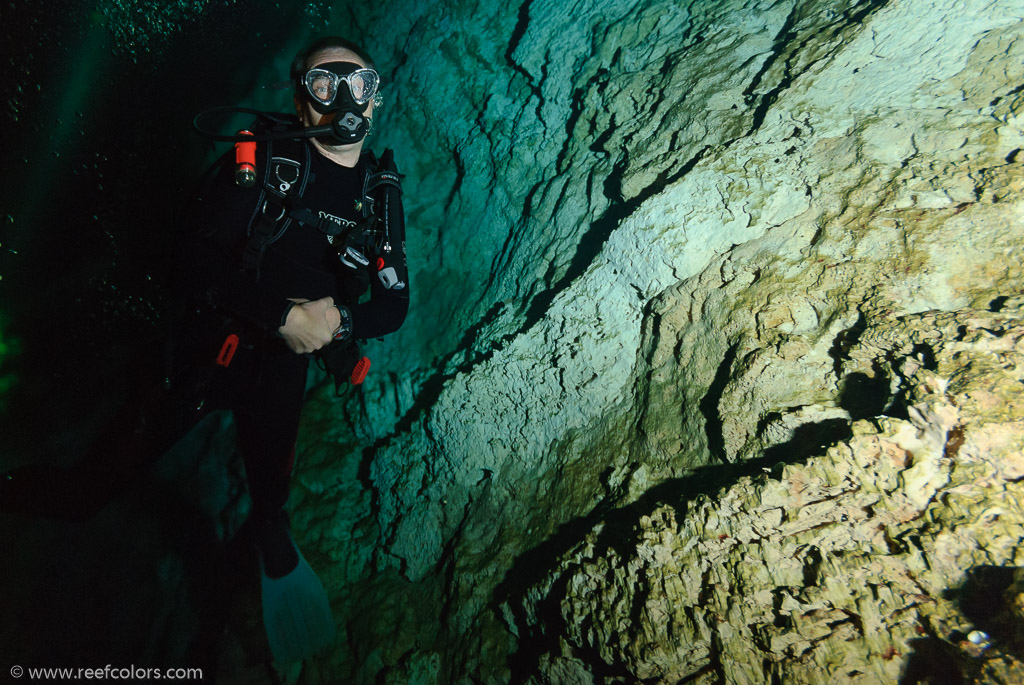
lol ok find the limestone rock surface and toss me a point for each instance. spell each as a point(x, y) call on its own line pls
point(869, 561)
point(713, 366)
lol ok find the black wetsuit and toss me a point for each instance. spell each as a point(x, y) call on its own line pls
point(265, 381)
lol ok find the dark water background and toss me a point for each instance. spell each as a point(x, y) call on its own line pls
point(98, 157)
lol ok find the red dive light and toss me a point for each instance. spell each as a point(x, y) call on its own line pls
point(245, 161)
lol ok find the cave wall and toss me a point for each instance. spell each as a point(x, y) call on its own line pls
point(650, 242)
point(712, 366)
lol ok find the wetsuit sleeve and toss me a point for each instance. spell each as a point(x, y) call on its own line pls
point(385, 311)
point(208, 261)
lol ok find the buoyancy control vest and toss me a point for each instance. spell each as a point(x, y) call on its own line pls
point(286, 174)
point(287, 169)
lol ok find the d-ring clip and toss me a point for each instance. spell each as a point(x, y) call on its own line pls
point(279, 216)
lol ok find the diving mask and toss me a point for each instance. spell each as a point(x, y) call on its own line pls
point(323, 83)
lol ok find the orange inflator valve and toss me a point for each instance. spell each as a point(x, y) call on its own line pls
point(245, 161)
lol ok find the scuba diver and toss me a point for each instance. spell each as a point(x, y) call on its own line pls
point(280, 245)
point(274, 272)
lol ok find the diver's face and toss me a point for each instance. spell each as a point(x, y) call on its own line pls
point(308, 115)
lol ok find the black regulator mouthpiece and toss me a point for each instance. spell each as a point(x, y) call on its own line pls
point(346, 127)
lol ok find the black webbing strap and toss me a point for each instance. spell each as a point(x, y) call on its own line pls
point(320, 223)
point(275, 199)
point(263, 230)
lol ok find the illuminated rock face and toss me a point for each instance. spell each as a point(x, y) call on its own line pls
point(664, 252)
point(714, 363)
point(849, 567)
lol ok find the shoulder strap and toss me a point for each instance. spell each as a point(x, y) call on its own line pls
point(285, 177)
point(380, 173)
point(381, 187)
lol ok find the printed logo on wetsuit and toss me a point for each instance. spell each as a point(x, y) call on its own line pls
point(338, 220)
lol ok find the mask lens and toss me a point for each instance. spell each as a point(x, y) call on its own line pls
point(322, 85)
point(363, 84)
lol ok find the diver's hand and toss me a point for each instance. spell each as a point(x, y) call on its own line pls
point(310, 325)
